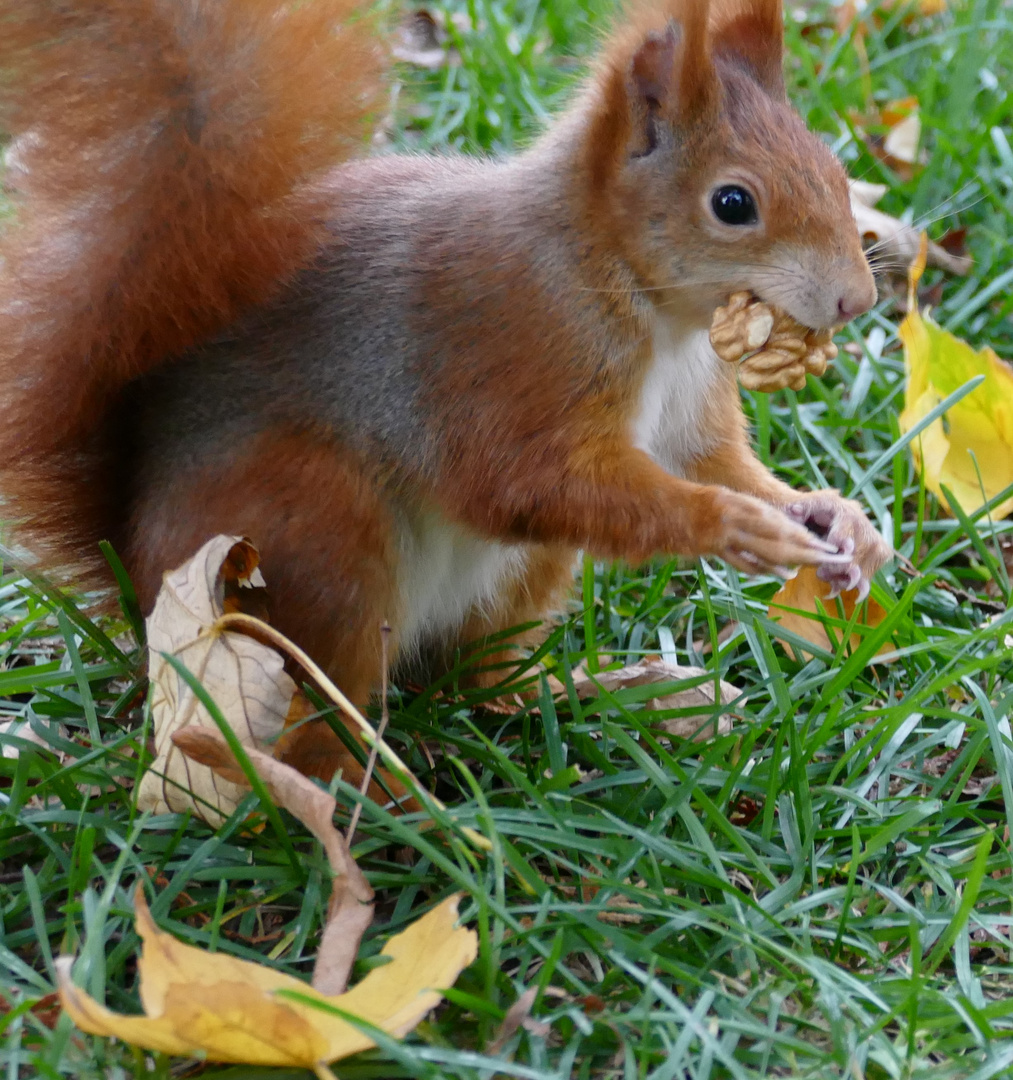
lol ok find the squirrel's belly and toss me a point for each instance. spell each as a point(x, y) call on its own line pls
point(671, 423)
point(444, 573)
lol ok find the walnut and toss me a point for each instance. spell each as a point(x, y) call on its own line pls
point(773, 350)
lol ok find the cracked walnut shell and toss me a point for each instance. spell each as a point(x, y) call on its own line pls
point(772, 349)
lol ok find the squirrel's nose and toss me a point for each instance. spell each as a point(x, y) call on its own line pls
point(856, 299)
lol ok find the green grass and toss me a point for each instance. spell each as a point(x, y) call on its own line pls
point(826, 891)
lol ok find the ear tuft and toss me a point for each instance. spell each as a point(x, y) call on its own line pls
point(750, 33)
point(672, 68)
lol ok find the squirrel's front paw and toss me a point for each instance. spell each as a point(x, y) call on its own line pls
point(843, 524)
point(756, 537)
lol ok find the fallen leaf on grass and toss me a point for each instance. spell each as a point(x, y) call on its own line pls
point(351, 907)
point(225, 1009)
point(215, 1006)
point(201, 619)
point(892, 133)
point(902, 121)
point(518, 1016)
point(22, 729)
point(699, 698)
point(971, 447)
point(897, 243)
point(244, 677)
point(795, 607)
point(743, 811)
point(420, 40)
point(45, 1009)
point(850, 10)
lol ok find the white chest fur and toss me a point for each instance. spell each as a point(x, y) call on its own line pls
point(670, 424)
point(444, 572)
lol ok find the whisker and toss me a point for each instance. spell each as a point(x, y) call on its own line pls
point(925, 220)
point(897, 263)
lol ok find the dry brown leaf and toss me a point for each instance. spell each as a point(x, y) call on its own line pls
point(850, 10)
point(897, 242)
point(903, 124)
point(22, 729)
point(351, 907)
point(230, 653)
point(399, 771)
point(225, 1009)
point(700, 698)
point(245, 678)
point(892, 134)
point(518, 1016)
point(800, 594)
point(240, 661)
point(420, 40)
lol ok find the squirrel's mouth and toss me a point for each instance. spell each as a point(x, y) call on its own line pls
point(785, 318)
point(773, 350)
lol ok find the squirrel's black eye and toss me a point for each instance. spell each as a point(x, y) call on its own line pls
point(734, 205)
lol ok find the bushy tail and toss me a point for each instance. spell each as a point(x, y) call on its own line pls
point(161, 173)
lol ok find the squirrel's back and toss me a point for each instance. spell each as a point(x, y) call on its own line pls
point(164, 172)
point(360, 352)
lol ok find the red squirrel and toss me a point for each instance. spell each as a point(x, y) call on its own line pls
point(420, 384)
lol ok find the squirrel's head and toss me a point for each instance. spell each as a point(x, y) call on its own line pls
point(711, 180)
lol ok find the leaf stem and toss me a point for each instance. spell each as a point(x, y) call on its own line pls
point(384, 720)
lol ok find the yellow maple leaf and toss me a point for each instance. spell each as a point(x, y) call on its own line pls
point(977, 436)
point(215, 1006)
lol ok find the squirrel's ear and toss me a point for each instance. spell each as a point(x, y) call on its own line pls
point(672, 69)
point(751, 33)
point(654, 66)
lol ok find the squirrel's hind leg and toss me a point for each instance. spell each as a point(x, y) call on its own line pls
point(328, 554)
point(534, 596)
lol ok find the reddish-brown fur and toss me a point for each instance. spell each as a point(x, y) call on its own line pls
point(324, 536)
point(120, 260)
point(322, 531)
point(110, 273)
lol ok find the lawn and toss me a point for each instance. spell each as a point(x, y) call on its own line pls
point(825, 890)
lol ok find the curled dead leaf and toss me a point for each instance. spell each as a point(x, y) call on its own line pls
point(351, 906)
point(225, 1009)
point(244, 677)
point(895, 241)
point(518, 1016)
point(239, 661)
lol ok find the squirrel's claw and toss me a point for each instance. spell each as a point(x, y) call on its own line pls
point(843, 579)
point(842, 523)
